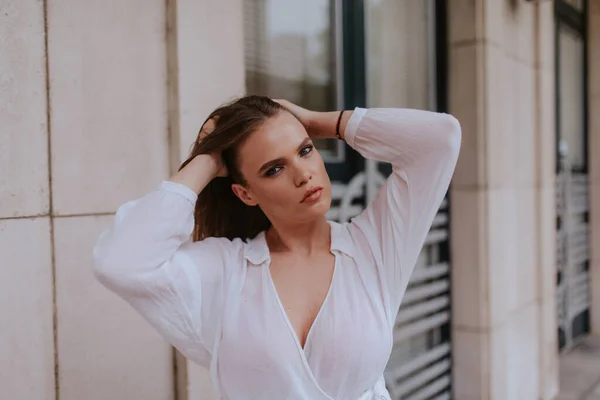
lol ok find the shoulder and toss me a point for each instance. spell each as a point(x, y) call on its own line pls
point(348, 238)
point(216, 252)
point(231, 254)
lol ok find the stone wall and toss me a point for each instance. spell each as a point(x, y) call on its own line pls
point(99, 101)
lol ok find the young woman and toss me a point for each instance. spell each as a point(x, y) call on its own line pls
point(233, 261)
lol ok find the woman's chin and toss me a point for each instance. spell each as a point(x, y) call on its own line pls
point(321, 208)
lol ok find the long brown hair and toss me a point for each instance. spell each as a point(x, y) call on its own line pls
point(219, 212)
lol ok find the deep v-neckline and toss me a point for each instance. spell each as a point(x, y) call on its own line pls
point(286, 317)
point(302, 350)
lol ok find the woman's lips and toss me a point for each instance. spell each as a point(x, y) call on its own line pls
point(313, 195)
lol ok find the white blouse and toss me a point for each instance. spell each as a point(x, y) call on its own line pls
point(215, 301)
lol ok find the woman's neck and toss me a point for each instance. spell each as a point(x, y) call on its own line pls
point(305, 239)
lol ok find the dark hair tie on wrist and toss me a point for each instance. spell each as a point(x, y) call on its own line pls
point(337, 126)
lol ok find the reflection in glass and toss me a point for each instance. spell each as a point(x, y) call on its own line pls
point(578, 4)
point(399, 57)
point(400, 67)
point(571, 96)
point(290, 53)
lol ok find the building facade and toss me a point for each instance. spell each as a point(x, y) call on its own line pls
point(97, 95)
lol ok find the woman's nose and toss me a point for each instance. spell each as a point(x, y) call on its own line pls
point(302, 177)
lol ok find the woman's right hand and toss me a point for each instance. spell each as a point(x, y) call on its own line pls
point(203, 168)
point(209, 126)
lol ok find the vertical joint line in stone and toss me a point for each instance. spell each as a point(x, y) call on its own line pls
point(50, 203)
point(173, 144)
point(172, 55)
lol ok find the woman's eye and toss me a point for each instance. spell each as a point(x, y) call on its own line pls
point(272, 171)
point(306, 150)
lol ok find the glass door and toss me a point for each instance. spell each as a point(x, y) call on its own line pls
point(572, 207)
point(405, 67)
point(294, 50)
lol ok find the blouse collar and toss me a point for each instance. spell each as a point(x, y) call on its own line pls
point(256, 250)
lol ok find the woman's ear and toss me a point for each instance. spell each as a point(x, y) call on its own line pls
point(243, 194)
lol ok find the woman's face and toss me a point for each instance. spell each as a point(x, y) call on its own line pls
point(285, 174)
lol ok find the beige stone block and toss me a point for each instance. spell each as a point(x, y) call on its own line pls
point(108, 101)
point(521, 35)
point(494, 17)
point(202, 85)
point(470, 275)
point(471, 364)
point(548, 343)
point(510, 122)
point(466, 21)
point(26, 339)
point(23, 112)
point(510, 26)
point(494, 250)
point(546, 134)
point(515, 356)
point(524, 107)
point(105, 349)
point(503, 253)
point(199, 385)
point(467, 105)
point(545, 35)
point(526, 236)
point(501, 121)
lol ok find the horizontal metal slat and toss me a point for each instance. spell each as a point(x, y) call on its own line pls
point(423, 377)
point(440, 219)
point(581, 278)
point(579, 179)
point(581, 256)
point(429, 272)
point(423, 291)
point(407, 331)
point(436, 236)
point(431, 389)
point(576, 309)
point(422, 309)
point(339, 190)
point(581, 297)
point(443, 396)
point(579, 206)
point(422, 360)
point(334, 212)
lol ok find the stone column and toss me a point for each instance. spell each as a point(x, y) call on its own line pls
point(501, 90)
point(206, 68)
point(594, 158)
point(26, 307)
point(545, 188)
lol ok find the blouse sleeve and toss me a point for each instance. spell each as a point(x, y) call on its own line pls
point(423, 149)
point(146, 257)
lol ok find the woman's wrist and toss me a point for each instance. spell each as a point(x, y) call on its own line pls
point(319, 125)
point(324, 125)
point(197, 173)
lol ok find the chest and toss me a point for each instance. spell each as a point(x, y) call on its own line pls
point(349, 340)
point(302, 286)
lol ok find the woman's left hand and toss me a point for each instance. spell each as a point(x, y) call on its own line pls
point(306, 117)
point(318, 125)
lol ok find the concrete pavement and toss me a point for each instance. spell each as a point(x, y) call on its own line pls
point(580, 371)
